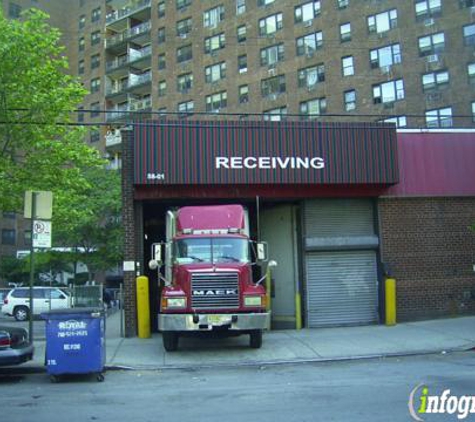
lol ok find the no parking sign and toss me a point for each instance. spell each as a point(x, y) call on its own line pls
point(41, 234)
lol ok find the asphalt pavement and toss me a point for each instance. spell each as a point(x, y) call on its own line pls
point(282, 346)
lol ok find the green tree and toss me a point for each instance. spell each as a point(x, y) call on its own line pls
point(39, 148)
point(89, 221)
point(14, 270)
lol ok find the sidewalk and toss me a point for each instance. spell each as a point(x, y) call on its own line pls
point(286, 346)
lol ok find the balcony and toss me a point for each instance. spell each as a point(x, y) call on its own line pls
point(139, 10)
point(139, 34)
point(140, 59)
point(126, 112)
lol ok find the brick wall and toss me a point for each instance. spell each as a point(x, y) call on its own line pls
point(428, 246)
point(128, 221)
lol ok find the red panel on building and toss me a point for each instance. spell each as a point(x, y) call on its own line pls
point(435, 164)
point(249, 152)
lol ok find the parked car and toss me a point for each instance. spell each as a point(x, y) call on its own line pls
point(3, 295)
point(17, 302)
point(14, 346)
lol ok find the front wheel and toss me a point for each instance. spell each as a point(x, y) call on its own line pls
point(256, 339)
point(170, 341)
point(21, 313)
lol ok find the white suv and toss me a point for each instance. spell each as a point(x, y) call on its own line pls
point(44, 299)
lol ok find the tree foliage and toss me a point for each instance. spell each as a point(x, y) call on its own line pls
point(39, 149)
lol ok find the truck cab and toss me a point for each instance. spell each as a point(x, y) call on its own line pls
point(209, 283)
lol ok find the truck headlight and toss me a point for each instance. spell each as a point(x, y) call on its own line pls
point(252, 300)
point(176, 302)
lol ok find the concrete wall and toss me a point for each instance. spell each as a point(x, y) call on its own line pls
point(427, 244)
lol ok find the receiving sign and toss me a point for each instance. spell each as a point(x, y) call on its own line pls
point(41, 236)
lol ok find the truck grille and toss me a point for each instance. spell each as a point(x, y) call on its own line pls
point(214, 290)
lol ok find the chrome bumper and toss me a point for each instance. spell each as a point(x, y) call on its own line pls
point(206, 322)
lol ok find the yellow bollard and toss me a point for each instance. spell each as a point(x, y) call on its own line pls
point(298, 311)
point(143, 307)
point(390, 296)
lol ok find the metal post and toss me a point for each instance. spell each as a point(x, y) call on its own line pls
point(32, 264)
point(121, 309)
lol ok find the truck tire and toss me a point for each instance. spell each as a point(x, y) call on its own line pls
point(21, 313)
point(170, 341)
point(256, 339)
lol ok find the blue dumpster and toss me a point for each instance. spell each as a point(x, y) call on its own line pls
point(75, 342)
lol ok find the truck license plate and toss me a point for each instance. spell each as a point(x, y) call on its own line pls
point(218, 319)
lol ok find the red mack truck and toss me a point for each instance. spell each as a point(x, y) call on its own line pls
point(209, 284)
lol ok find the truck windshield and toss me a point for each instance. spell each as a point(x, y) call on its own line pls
point(211, 250)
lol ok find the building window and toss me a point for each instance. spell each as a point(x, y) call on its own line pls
point(382, 22)
point(435, 80)
point(184, 82)
point(14, 10)
point(275, 114)
point(466, 3)
point(469, 34)
point(262, 3)
point(240, 7)
point(82, 21)
point(270, 24)
point(81, 67)
point(272, 87)
point(215, 72)
point(8, 237)
point(311, 76)
point(162, 64)
point(161, 35)
point(184, 53)
point(309, 44)
point(27, 237)
point(162, 111)
point(307, 11)
point(473, 112)
point(312, 109)
point(95, 109)
point(95, 61)
point(162, 88)
point(95, 37)
point(431, 44)
point(349, 98)
point(80, 114)
point(399, 121)
point(215, 102)
point(186, 107)
point(9, 214)
point(95, 85)
point(427, 9)
point(183, 27)
point(388, 92)
point(242, 33)
point(471, 73)
point(345, 32)
point(161, 9)
point(243, 94)
point(271, 55)
point(96, 15)
point(242, 63)
point(212, 17)
point(347, 66)
point(94, 136)
point(182, 4)
point(385, 56)
point(81, 44)
point(215, 43)
point(441, 117)
point(342, 4)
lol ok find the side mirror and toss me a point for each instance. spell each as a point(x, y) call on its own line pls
point(272, 264)
point(262, 251)
point(157, 253)
point(153, 264)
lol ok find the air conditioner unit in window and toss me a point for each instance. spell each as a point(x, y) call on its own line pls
point(472, 10)
point(310, 53)
point(389, 104)
point(183, 36)
point(386, 69)
point(433, 58)
point(271, 71)
point(382, 34)
point(433, 96)
point(272, 96)
point(429, 22)
point(308, 23)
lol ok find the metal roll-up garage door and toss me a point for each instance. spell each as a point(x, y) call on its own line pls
point(342, 288)
point(341, 262)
